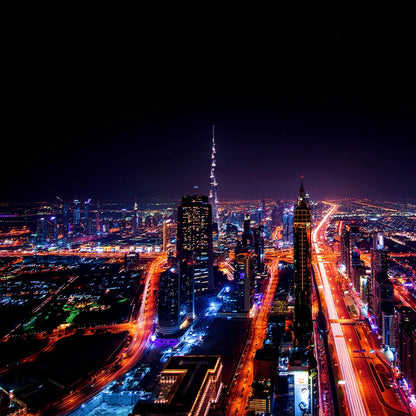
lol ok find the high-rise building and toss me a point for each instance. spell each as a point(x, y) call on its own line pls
point(406, 344)
point(166, 225)
point(244, 281)
point(195, 235)
point(383, 298)
point(97, 221)
point(41, 230)
point(259, 249)
point(288, 225)
point(213, 197)
point(187, 290)
point(302, 270)
point(65, 219)
point(87, 219)
point(134, 221)
point(168, 303)
point(246, 238)
point(77, 216)
point(52, 229)
point(379, 263)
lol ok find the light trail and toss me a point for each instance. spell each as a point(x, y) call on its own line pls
point(354, 398)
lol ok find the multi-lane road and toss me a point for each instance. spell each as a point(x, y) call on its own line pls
point(239, 390)
point(365, 381)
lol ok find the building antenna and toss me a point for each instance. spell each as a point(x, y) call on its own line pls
point(213, 197)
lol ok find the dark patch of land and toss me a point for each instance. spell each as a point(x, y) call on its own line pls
point(58, 371)
point(17, 348)
point(226, 337)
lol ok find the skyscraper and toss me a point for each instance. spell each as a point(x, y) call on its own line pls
point(379, 263)
point(406, 344)
point(87, 219)
point(288, 225)
point(213, 199)
point(168, 302)
point(195, 235)
point(77, 216)
point(134, 221)
point(41, 230)
point(187, 290)
point(302, 270)
point(244, 281)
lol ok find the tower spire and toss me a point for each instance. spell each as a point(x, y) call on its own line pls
point(213, 198)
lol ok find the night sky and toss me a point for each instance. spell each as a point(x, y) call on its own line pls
point(113, 102)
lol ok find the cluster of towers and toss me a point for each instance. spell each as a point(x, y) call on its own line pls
point(395, 323)
point(191, 273)
point(74, 219)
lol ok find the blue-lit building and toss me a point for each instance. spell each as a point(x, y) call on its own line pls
point(41, 230)
point(168, 303)
point(288, 226)
point(244, 281)
point(77, 216)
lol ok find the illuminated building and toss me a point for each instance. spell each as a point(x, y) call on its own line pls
point(359, 271)
point(41, 230)
point(213, 198)
point(87, 219)
point(65, 219)
point(288, 225)
point(277, 215)
point(168, 303)
point(383, 300)
point(123, 218)
point(379, 264)
point(187, 291)
point(188, 386)
point(350, 255)
point(261, 399)
point(299, 387)
point(134, 220)
point(97, 221)
point(244, 281)
point(77, 216)
point(246, 238)
point(166, 225)
point(302, 270)
point(406, 344)
point(195, 235)
point(52, 229)
point(131, 261)
point(259, 248)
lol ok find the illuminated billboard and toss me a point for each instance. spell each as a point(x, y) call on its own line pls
point(301, 394)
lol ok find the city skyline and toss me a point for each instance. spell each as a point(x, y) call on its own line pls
point(254, 152)
point(128, 113)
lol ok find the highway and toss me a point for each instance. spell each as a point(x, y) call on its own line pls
point(355, 401)
point(359, 368)
point(239, 390)
point(141, 329)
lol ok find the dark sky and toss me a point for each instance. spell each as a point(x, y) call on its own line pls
point(116, 100)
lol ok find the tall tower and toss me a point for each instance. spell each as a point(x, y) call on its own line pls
point(213, 198)
point(195, 236)
point(302, 270)
point(168, 302)
point(134, 223)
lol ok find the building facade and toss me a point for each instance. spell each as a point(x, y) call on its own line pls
point(195, 235)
